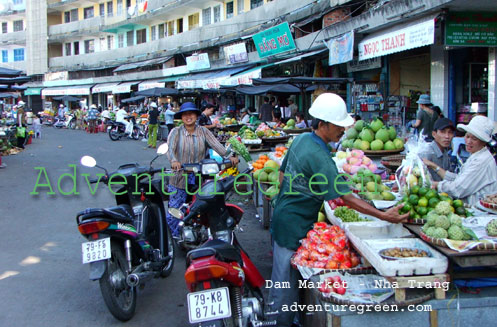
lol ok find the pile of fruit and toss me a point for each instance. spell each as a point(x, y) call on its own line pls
point(223, 136)
point(371, 187)
point(232, 171)
point(420, 201)
point(355, 161)
point(290, 124)
point(348, 215)
point(266, 170)
point(442, 222)
point(247, 134)
point(280, 151)
point(264, 131)
point(374, 136)
point(491, 228)
point(228, 121)
point(333, 284)
point(326, 247)
point(338, 202)
point(259, 163)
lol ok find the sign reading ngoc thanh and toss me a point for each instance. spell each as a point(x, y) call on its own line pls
point(198, 62)
point(409, 36)
point(471, 29)
point(274, 40)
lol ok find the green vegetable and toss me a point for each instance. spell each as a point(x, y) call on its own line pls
point(240, 148)
point(348, 215)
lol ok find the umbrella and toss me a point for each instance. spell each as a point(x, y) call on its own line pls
point(67, 98)
point(133, 99)
point(157, 92)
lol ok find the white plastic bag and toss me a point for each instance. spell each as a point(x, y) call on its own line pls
point(413, 171)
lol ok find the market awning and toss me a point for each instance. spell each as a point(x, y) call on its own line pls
point(401, 37)
point(145, 85)
point(133, 99)
point(297, 58)
point(8, 95)
point(104, 87)
point(9, 72)
point(32, 91)
point(123, 87)
point(263, 89)
point(67, 90)
point(139, 64)
point(210, 79)
point(245, 78)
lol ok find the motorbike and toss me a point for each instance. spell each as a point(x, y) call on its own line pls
point(130, 243)
point(193, 233)
point(492, 146)
point(68, 121)
point(224, 284)
point(117, 130)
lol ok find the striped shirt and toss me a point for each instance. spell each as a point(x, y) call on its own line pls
point(190, 148)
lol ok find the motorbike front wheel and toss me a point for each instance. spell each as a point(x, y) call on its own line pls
point(119, 297)
point(135, 134)
point(72, 124)
point(114, 134)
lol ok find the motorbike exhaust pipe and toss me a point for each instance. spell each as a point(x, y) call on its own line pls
point(127, 248)
point(133, 280)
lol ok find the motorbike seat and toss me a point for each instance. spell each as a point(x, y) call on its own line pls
point(121, 213)
point(118, 123)
point(222, 250)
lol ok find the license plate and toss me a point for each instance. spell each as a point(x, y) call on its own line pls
point(209, 305)
point(96, 250)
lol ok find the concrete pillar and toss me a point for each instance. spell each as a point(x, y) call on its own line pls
point(36, 37)
point(492, 83)
point(439, 78)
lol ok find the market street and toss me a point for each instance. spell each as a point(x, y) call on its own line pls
point(42, 279)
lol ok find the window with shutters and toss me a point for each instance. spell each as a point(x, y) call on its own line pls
point(193, 21)
point(153, 33)
point(89, 46)
point(229, 10)
point(217, 14)
point(74, 15)
point(179, 26)
point(110, 42)
point(141, 36)
point(129, 39)
point(206, 16)
point(68, 49)
point(119, 7)
point(4, 27)
point(170, 28)
point(102, 9)
point(76, 48)
point(256, 3)
point(5, 55)
point(18, 25)
point(110, 9)
point(120, 40)
point(162, 31)
point(241, 6)
point(88, 13)
point(19, 54)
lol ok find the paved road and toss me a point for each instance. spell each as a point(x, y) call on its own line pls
point(42, 280)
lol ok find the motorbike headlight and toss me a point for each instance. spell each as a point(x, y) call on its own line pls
point(224, 235)
point(208, 169)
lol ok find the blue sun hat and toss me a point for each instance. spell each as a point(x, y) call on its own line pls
point(187, 106)
point(424, 99)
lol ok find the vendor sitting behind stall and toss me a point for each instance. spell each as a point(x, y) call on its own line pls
point(245, 117)
point(438, 150)
point(205, 118)
point(478, 176)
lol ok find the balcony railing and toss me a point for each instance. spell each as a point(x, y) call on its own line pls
point(13, 38)
point(85, 26)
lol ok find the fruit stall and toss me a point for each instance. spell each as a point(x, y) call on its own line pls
point(425, 264)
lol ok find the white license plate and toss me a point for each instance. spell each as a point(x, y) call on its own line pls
point(96, 250)
point(209, 305)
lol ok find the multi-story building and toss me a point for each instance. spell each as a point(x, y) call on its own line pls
point(105, 49)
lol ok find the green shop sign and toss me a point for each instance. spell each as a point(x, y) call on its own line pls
point(274, 40)
point(471, 29)
point(33, 91)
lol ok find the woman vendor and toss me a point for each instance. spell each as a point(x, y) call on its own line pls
point(478, 175)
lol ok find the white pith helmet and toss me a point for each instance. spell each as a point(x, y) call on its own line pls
point(331, 108)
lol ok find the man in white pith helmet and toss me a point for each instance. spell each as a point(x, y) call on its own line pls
point(309, 176)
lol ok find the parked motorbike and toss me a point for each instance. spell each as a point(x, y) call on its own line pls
point(68, 121)
point(130, 243)
point(193, 233)
point(117, 130)
point(492, 146)
point(224, 284)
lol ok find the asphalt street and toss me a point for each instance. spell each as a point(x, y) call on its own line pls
point(42, 279)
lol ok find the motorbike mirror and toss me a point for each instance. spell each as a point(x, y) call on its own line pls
point(162, 149)
point(176, 213)
point(88, 161)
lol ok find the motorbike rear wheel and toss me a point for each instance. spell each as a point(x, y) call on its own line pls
point(114, 134)
point(119, 297)
point(72, 124)
point(135, 134)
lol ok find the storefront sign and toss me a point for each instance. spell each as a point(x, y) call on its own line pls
point(236, 53)
point(57, 76)
point(243, 79)
point(414, 35)
point(341, 49)
point(186, 84)
point(274, 40)
point(471, 29)
point(33, 91)
point(356, 65)
point(180, 70)
point(198, 62)
point(150, 85)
